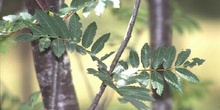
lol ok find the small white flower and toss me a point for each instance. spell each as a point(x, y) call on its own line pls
point(10, 18)
point(86, 14)
point(116, 3)
point(100, 8)
point(121, 83)
point(128, 73)
point(25, 15)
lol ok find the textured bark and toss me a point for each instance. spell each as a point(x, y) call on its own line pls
point(160, 34)
point(1, 1)
point(53, 74)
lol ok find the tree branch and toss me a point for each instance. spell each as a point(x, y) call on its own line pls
point(119, 53)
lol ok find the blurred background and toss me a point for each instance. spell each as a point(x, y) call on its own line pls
point(195, 24)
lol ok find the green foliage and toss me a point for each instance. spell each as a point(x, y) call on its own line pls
point(158, 57)
point(33, 103)
point(157, 82)
point(169, 57)
point(130, 82)
point(182, 56)
point(89, 35)
point(134, 59)
point(75, 27)
point(187, 75)
point(8, 101)
point(100, 43)
point(181, 22)
point(173, 80)
point(145, 55)
point(58, 47)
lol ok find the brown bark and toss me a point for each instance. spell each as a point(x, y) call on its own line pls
point(53, 74)
point(160, 35)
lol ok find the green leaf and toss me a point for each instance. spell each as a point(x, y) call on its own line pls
point(106, 56)
point(157, 82)
point(89, 35)
point(38, 106)
point(145, 55)
point(46, 22)
point(24, 106)
point(124, 64)
point(75, 27)
point(70, 45)
point(100, 63)
point(99, 44)
point(158, 57)
point(138, 93)
point(196, 61)
point(89, 8)
point(134, 59)
point(44, 43)
point(58, 47)
point(80, 50)
point(92, 71)
point(61, 27)
point(76, 3)
point(36, 30)
point(142, 78)
point(169, 57)
point(173, 80)
point(24, 37)
point(103, 75)
point(34, 98)
point(136, 103)
point(187, 75)
point(182, 56)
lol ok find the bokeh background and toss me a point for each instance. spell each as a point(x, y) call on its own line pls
point(17, 75)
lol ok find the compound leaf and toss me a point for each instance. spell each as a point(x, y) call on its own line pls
point(89, 35)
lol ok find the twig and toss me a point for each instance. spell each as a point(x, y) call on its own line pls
point(118, 55)
point(39, 5)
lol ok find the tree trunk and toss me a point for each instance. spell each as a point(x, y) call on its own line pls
point(160, 34)
point(53, 74)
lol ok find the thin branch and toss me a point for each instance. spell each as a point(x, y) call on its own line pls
point(118, 55)
point(39, 5)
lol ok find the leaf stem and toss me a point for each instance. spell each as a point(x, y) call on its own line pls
point(150, 69)
point(119, 53)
